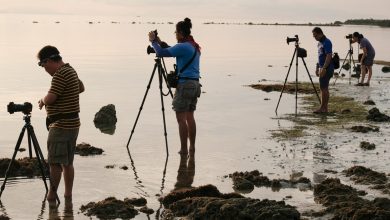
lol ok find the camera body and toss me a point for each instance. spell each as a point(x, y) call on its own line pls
point(26, 108)
point(292, 39)
point(349, 36)
point(150, 49)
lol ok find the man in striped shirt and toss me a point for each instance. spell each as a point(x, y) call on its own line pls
point(62, 107)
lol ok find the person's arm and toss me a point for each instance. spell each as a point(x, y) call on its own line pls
point(364, 55)
point(328, 59)
point(161, 52)
point(49, 99)
point(81, 86)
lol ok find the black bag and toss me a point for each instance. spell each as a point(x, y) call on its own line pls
point(336, 60)
point(173, 76)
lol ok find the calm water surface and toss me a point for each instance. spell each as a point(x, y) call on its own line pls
point(233, 120)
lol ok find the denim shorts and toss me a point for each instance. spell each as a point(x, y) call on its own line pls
point(61, 144)
point(186, 96)
point(324, 81)
point(369, 60)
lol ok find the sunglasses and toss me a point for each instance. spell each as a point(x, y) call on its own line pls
point(44, 61)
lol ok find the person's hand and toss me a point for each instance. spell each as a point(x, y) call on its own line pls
point(322, 72)
point(40, 103)
point(317, 72)
point(152, 36)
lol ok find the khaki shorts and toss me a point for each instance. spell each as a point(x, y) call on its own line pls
point(61, 144)
point(186, 96)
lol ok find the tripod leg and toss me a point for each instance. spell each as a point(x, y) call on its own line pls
point(29, 143)
point(160, 79)
point(296, 85)
point(164, 74)
point(13, 158)
point(142, 104)
point(41, 161)
point(284, 85)
point(304, 63)
point(341, 67)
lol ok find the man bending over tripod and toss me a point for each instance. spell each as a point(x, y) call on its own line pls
point(63, 122)
point(324, 68)
point(187, 53)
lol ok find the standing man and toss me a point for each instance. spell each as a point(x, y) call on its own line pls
point(62, 107)
point(367, 59)
point(324, 68)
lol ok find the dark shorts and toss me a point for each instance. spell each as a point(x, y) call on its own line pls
point(186, 96)
point(369, 60)
point(61, 144)
point(324, 81)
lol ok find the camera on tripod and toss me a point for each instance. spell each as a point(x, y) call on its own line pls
point(349, 36)
point(292, 39)
point(26, 108)
point(150, 49)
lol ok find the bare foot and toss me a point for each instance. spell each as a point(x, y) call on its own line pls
point(320, 111)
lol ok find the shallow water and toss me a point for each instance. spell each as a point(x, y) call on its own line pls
point(233, 120)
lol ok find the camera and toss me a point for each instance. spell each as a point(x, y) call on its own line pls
point(292, 39)
point(26, 108)
point(150, 49)
point(349, 36)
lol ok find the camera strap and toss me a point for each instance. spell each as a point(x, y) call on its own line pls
point(189, 62)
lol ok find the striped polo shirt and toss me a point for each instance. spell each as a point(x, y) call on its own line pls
point(65, 84)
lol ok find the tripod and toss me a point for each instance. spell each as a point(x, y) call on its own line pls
point(350, 59)
point(32, 139)
point(298, 52)
point(161, 76)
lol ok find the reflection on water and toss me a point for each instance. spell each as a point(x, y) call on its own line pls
point(140, 186)
point(186, 172)
point(54, 213)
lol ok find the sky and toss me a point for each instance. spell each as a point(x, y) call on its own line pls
point(213, 10)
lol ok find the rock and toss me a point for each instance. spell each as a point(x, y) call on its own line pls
point(105, 119)
point(369, 102)
point(364, 129)
point(221, 206)
point(242, 185)
point(244, 181)
point(124, 167)
point(109, 166)
point(202, 191)
point(21, 167)
point(85, 149)
point(146, 210)
point(375, 115)
point(4, 217)
point(386, 69)
point(136, 201)
point(22, 149)
point(363, 175)
point(110, 208)
point(367, 145)
point(346, 111)
point(344, 202)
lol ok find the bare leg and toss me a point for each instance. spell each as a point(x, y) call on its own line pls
point(364, 71)
point(183, 131)
point(191, 131)
point(68, 179)
point(324, 99)
point(55, 178)
point(369, 74)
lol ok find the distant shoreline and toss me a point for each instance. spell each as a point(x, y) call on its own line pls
point(371, 22)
